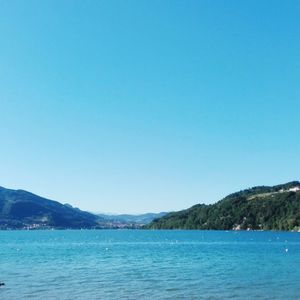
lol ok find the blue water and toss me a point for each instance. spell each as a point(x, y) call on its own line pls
point(136, 264)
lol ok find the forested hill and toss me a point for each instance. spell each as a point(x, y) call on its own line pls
point(21, 209)
point(263, 207)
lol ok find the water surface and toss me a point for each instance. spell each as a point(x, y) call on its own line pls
point(137, 264)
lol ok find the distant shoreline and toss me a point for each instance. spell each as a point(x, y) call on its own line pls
point(147, 229)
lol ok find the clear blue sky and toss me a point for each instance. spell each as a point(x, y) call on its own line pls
point(136, 106)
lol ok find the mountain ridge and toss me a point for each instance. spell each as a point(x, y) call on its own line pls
point(139, 219)
point(258, 208)
point(23, 209)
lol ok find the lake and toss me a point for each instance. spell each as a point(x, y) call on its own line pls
point(141, 264)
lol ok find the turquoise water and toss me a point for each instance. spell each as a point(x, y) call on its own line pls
point(137, 264)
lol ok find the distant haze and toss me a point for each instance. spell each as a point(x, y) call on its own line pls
point(148, 106)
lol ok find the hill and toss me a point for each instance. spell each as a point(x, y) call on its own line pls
point(22, 209)
point(128, 219)
point(258, 208)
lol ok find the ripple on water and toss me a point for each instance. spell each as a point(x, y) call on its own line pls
point(149, 265)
